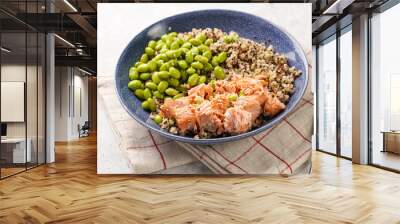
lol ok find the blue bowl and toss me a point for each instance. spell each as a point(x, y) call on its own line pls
point(246, 25)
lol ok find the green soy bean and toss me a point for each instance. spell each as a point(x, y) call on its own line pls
point(151, 85)
point(177, 96)
point(193, 79)
point(155, 78)
point(147, 93)
point(144, 58)
point(149, 51)
point(152, 44)
point(182, 64)
point(157, 119)
point(152, 104)
point(145, 105)
point(202, 79)
point(162, 86)
point(135, 84)
point(201, 59)
point(171, 92)
point(163, 75)
point(173, 72)
point(173, 82)
point(158, 95)
point(139, 93)
point(145, 76)
point(143, 68)
point(189, 57)
point(219, 72)
point(133, 73)
point(197, 65)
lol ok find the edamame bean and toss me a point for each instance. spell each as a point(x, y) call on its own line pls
point(152, 44)
point(145, 105)
point(184, 50)
point(191, 70)
point(163, 57)
point(215, 61)
point(207, 54)
point(174, 73)
point(201, 59)
point(159, 63)
point(144, 58)
point(187, 45)
point(135, 84)
point(222, 57)
point(139, 93)
point(163, 75)
point(133, 73)
point(155, 78)
point(173, 82)
point(174, 45)
point(149, 51)
point(143, 68)
point(195, 51)
point(158, 95)
point(152, 66)
point(201, 37)
point(152, 104)
point(151, 85)
point(197, 65)
point(219, 72)
point(182, 64)
point(164, 67)
point(145, 76)
point(147, 93)
point(195, 42)
point(202, 79)
point(189, 57)
point(177, 96)
point(162, 86)
point(208, 67)
point(232, 97)
point(203, 48)
point(208, 42)
point(171, 92)
point(159, 46)
point(193, 79)
point(182, 88)
point(173, 34)
point(157, 119)
point(137, 64)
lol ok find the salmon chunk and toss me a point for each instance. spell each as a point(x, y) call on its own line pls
point(250, 104)
point(210, 114)
point(237, 120)
point(202, 90)
point(223, 86)
point(273, 106)
point(183, 112)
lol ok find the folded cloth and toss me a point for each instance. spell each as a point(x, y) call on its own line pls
point(147, 152)
point(282, 149)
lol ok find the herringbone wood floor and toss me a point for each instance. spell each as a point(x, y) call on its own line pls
point(69, 191)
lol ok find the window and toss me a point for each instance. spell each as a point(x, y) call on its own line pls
point(346, 92)
point(327, 96)
point(385, 89)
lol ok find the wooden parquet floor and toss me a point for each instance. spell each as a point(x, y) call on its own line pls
point(69, 191)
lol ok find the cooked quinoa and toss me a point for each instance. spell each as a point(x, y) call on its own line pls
point(248, 58)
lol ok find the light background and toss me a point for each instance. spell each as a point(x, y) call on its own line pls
point(119, 23)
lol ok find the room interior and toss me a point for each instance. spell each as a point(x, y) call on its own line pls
point(49, 123)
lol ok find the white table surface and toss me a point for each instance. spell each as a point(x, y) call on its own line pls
point(118, 23)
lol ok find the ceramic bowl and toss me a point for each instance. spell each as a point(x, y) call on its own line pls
point(246, 25)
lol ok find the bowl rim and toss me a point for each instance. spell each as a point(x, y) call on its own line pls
point(220, 140)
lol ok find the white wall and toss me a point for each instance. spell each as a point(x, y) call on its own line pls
point(71, 94)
